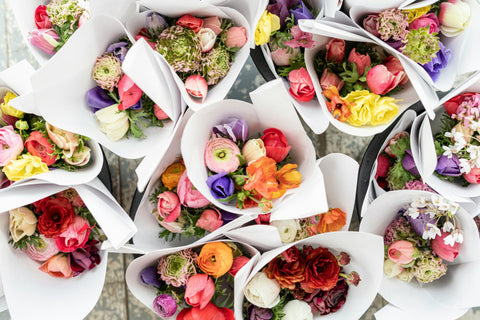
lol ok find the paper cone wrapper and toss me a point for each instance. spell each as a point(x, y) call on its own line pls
point(3, 302)
point(322, 35)
point(461, 278)
point(332, 7)
point(270, 109)
point(24, 11)
point(201, 9)
point(147, 293)
point(61, 96)
point(148, 239)
point(366, 253)
point(379, 4)
point(390, 312)
point(340, 178)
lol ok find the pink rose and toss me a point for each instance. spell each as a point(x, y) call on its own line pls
point(44, 250)
point(370, 24)
point(159, 113)
point(301, 85)
point(330, 79)
point(57, 266)
point(213, 23)
point(128, 92)
point(236, 37)
point(380, 80)
point(473, 176)
point(362, 61)
point(45, 39)
point(401, 252)
point(427, 20)
point(168, 206)
point(41, 18)
point(395, 66)
point(188, 195)
point(11, 145)
point(444, 251)
point(335, 50)
point(75, 236)
point(210, 220)
point(237, 264)
point(199, 291)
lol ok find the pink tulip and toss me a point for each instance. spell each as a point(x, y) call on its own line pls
point(45, 39)
point(129, 93)
point(330, 79)
point(473, 176)
point(236, 37)
point(427, 20)
point(444, 251)
point(210, 220)
point(381, 81)
point(335, 50)
point(395, 66)
point(168, 206)
point(213, 23)
point(199, 291)
point(362, 61)
point(281, 57)
point(159, 113)
point(238, 263)
point(188, 195)
point(196, 86)
point(454, 16)
point(401, 252)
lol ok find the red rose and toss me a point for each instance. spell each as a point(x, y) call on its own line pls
point(56, 216)
point(335, 50)
point(321, 270)
point(41, 18)
point(452, 104)
point(301, 85)
point(275, 144)
point(39, 146)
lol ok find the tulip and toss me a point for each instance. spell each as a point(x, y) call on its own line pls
point(301, 85)
point(276, 144)
point(63, 139)
point(445, 251)
point(395, 66)
point(473, 176)
point(45, 39)
point(130, 94)
point(330, 79)
point(454, 16)
point(210, 220)
point(78, 158)
point(196, 86)
point(199, 291)
point(207, 39)
point(362, 61)
point(335, 50)
point(401, 252)
point(380, 80)
point(213, 23)
point(189, 21)
point(159, 113)
point(236, 37)
point(253, 150)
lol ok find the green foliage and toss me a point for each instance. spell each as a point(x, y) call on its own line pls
point(277, 310)
point(398, 149)
point(397, 176)
point(296, 63)
point(64, 32)
point(21, 244)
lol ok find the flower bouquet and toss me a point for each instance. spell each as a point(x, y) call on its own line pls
point(249, 182)
point(203, 50)
point(340, 178)
point(420, 231)
point(70, 106)
point(200, 281)
point(311, 278)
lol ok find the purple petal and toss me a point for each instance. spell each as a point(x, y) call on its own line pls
point(233, 128)
point(227, 216)
point(118, 49)
point(301, 12)
point(155, 22)
point(440, 61)
point(97, 99)
point(448, 166)
point(409, 164)
point(150, 276)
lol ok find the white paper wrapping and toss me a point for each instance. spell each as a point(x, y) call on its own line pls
point(147, 293)
point(461, 277)
point(390, 312)
point(270, 109)
point(366, 253)
point(3, 302)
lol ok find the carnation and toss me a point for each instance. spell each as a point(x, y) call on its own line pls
point(176, 268)
point(420, 45)
point(429, 268)
point(107, 71)
point(215, 65)
point(393, 24)
point(64, 11)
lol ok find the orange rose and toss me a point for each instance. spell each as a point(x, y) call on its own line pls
point(333, 220)
point(172, 174)
point(215, 259)
point(57, 266)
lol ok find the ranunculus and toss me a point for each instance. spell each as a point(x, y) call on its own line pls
point(199, 291)
point(215, 259)
point(210, 220)
point(238, 264)
point(236, 37)
point(75, 237)
point(43, 249)
point(287, 229)
point(191, 22)
point(370, 23)
point(155, 22)
point(113, 123)
point(72, 195)
point(176, 268)
point(332, 220)
point(321, 270)
point(401, 252)
point(287, 273)
point(164, 305)
point(380, 80)
point(261, 177)
point(24, 167)
point(188, 195)
point(22, 223)
point(395, 66)
point(253, 150)
point(78, 158)
point(207, 38)
point(362, 61)
point(391, 269)
point(159, 113)
point(325, 302)
point(57, 266)
point(427, 20)
point(172, 175)
point(57, 215)
point(130, 94)
point(267, 24)
point(276, 144)
point(335, 50)
point(196, 86)
point(301, 85)
point(221, 155)
point(454, 16)
point(409, 164)
point(262, 291)
point(211, 311)
point(448, 166)
point(39, 146)
point(41, 18)
point(451, 105)
point(282, 56)
point(233, 128)
point(473, 176)
point(213, 23)
point(85, 258)
point(444, 251)
point(221, 186)
point(297, 310)
point(63, 139)
point(330, 79)
point(11, 145)
point(168, 206)
point(45, 39)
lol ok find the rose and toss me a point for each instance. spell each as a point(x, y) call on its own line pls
point(189, 21)
point(199, 291)
point(57, 266)
point(321, 270)
point(221, 155)
point(41, 18)
point(232, 128)
point(221, 186)
point(207, 39)
point(335, 50)
point(395, 66)
point(427, 20)
point(210, 220)
point(213, 23)
point(57, 215)
point(22, 223)
point(301, 85)
point(39, 146)
point(11, 145)
point(453, 16)
point(443, 250)
point(189, 196)
point(164, 305)
point(113, 123)
point(452, 104)
point(85, 258)
point(75, 237)
point(262, 291)
point(401, 252)
point(253, 150)
point(168, 206)
point(361, 61)
point(409, 164)
point(297, 310)
point(287, 229)
point(448, 166)
point(130, 94)
point(370, 23)
point(238, 264)
point(473, 176)
point(267, 24)
point(236, 37)
point(24, 167)
point(380, 80)
point(276, 144)
point(45, 39)
point(330, 79)
point(211, 311)
point(391, 269)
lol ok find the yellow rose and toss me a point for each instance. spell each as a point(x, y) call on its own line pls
point(9, 110)
point(416, 13)
point(362, 110)
point(24, 167)
point(22, 223)
point(267, 24)
point(384, 110)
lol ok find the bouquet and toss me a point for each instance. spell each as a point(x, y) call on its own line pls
point(59, 232)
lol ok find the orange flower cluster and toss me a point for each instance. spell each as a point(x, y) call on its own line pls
point(337, 106)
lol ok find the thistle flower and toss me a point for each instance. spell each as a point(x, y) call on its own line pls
point(420, 45)
point(107, 71)
point(215, 65)
point(64, 11)
point(392, 23)
point(429, 268)
point(176, 268)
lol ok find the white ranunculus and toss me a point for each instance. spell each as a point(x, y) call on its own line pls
point(406, 275)
point(253, 150)
point(207, 39)
point(297, 310)
point(113, 123)
point(391, 269)
point(262, 291)
point(287, 229)
point(79, 158)
point(22, 223)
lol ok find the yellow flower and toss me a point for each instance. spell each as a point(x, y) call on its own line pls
point(9, 110)
point(385, 109)
point(362, 110)
point(416, 13)
point(267, 24)
point(24, 167)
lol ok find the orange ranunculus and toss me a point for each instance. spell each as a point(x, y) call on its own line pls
point(172, 174)
point(215, 259)
point(288, 178)
point(261, 177)
point(333, 220)
point(57, 266)
point(286, 273)
point(337, 106)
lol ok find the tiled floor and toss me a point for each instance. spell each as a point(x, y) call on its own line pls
point(116, 302)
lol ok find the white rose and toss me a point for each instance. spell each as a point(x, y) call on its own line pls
point(253, 150)
point(287, 229)
point(391, 269)
point(262, 291)
point(297, 310)
point(22, 223)
point(112, 122)
point(207, 38)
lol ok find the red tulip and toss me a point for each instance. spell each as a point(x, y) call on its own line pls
point(276, 144)
point(362, 61)
point(200, 290)
point(335, 50)
point(380, 80)
point(395, 66)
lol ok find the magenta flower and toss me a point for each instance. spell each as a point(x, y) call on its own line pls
point(300, 39)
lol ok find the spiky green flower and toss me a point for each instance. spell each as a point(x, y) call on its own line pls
point(215, 65)
point(176, 268)
point(64, 11)
point(429, 268)
point(392, 23)
point(107, 71)
point(181, 48)
point(420, 45)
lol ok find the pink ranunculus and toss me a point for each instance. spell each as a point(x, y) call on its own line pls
point(330, 79)
point(11, 145)
point(301, 85)
point(335, 50)
point(213, 23)
point(39, 146)
point(210, 220)
point(43, 250)
point(473, 176)
point(189, 21)
point(45, 39)
point(207, 39)
point(236, 37)
point(427, 20)
point(196, 86)
point(370, 24)
point(221, 155)
point(362, 61)
point(188, 195)
point(159, 113)
point(444, 251)
point(401, 252)
point(237, 264)
point(380, 80)
point(129, 93)
point(168, 206)
point(41, 18)
point(300, 39)
point(281, 57)
point(75, 236)
point(57, 266)
point(199, 291)
point(394, 65)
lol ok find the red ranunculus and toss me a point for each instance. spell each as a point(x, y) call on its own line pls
point(211, 311)
point(321, 270)
point(276, 144)
point(452, 104)
point(129, 93)
point(189, 21)
point(288, 274)
point(41, 18)
point(39, 146)
point(56, 216)
point(75, 237)
point(238, 264)
point(301, 85)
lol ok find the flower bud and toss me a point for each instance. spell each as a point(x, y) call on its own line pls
point(236, 37)
point(207, 39)
point(45, 39)
point(213, 23)
point(453, 16)
point(253, 149)
point(196, 86)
